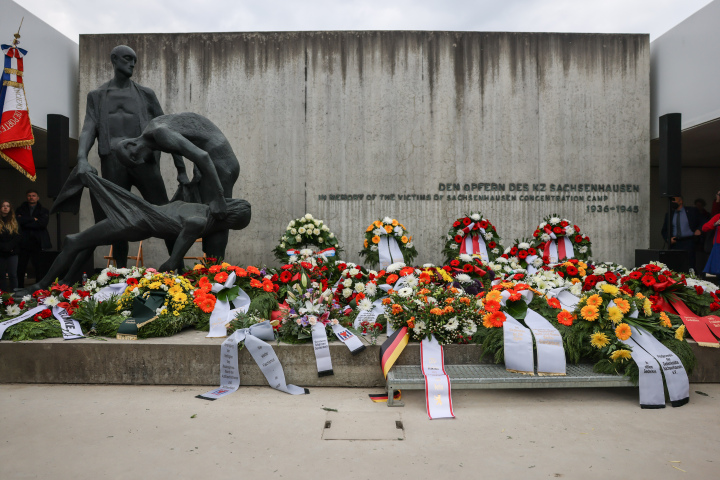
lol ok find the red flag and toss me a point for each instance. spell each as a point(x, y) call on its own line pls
point(16, 135)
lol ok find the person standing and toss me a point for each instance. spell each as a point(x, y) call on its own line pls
point(682, 228)
point(9, 242)
point(33, 220)
point(713, 264)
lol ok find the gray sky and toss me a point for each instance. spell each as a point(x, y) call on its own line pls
point(75, 17)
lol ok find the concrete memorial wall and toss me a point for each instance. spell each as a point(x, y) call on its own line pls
point(420, 126)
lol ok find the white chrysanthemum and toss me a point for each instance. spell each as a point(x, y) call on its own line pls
point(428, 265)
point(12, 310)
point(306, 252)
point(523, 246)
point(359, 287)
point(454, 246)
point(372, 272)
point(502, 260)
point(576, 289)
point(347, 282)
point(555, 220)
point(370, 289)
point(488, 236)
point(460, 232)
point(164, 287)
point(507, 251)
point(102, 279)
point(583, 249)
point(411, 281)
point(569, 230)
point(452, 324)
point(449, 237)
point(495, 251)
point(475, 216)
point(387, 220)
point(470, 329)
point(600, 271)
point(537, 262)
point(293, 259)
point(508, 269)
point(405, 292)
point(542, 225)
point(544, 237)
point(464, 257)
point(395, 267)
point(379, 232)
point(463, 278)
point(73, 297)
point(308, 216)
point(373, 248)
point(126, 313)
point(51, 301)
point(27, 298)
point(347, 292)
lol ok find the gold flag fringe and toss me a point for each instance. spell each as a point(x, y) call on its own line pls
point(10, 83)
point(13, 71)
point(139, 325)
point(17, 167)
point(518, 371)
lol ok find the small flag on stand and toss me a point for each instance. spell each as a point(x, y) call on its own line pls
point(16, 137)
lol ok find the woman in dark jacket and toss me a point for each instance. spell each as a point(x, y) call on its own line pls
point(9, 242)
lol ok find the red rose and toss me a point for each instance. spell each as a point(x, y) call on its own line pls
point(611, 277)
point(698, 289)
point(522, 254)
point(561, 274)
point(66, 294)
point(10, 301)
point(558, 230)
point(455, 262)
point(46, 313)
point(492, 244)
point(456, 224)
point(627, 290)
point(459, 238)
point(578, 238)
point(22, 304)
point(661, 279)
point(572, 271)
point(466, 221)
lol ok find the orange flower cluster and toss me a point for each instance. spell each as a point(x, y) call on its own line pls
point(565, 318)
point(203, 298)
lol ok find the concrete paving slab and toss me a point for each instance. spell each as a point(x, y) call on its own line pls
point(149, 432)
point(358, 425)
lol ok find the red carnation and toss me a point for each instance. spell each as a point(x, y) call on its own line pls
point(714, 306)
point(578, 238)
point(698, 289)
point(577, 229)
point(536, 233)
point(662, 279)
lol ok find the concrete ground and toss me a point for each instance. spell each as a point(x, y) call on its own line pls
point(159, 432)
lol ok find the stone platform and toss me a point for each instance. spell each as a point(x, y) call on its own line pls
point(191, 359)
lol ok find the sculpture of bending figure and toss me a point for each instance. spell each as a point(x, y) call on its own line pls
point(199, 140)
point(131, 218)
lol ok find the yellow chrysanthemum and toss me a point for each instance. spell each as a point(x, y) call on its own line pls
point(680, 332)
point(376, 239)
point(665, 320)
point(494, 295)
point(582, 272)
point(623, 331)
point(581, 265)
point(589, 313)
point(404, 239)
point(154, 285)
point(594, 300)
point(198, 266)
point(599, 340)
point(639, 295)
point(647, 307)
point(388, 228)
point(620, 355)
point(615, 314)
point(611, 289)
point(575, 280)
point(623, 305)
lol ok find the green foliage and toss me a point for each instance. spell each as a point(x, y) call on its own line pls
point(31, 330)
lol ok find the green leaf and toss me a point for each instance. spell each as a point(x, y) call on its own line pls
point(228, 294)
point(517, 309)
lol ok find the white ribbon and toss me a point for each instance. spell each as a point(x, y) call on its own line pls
point(567, 300)
point(222, 314)
point(70, 327)
point(550, 351)
point(349, 339)
point(389, 251)
point(322, 350)
point(676, 377)
point(29, 314)
point(110, 290)
point(531, 270)
point(371, 315)
point(438, 399)
point(468, 240)
point(552, 249)
point(517, 344)
point(262, 353)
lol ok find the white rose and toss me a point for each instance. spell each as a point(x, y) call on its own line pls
point(282, 245)
point(359, 287)
point(331, 235)
point(308, 216)
point(373, 248)
point(293, 231)
point(292, 223)
point(316, 223)
point(354, 271)
point(324, 228)
point(583, 249)
point(348, 282)
point(347, 292)
point(126, 313)
point(298, 238)
point(320, 240)
point(312, 320)
point(301, 230)
point(409, 244)
point(316, 231)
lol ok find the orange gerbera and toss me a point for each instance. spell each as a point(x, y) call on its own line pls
point(240, 272)
point(554, 303)
point(494, 295)
point(203, 281)
point(589, 313)
point(494, 320)
point(565, 318)
point(252, 270)
point(255, 284)
point(221, 277)
point(407, 271)
point(214, 269)
point(198, 266)
point(392, 279)
point(491, 305)
point(594, 300)
point(268, 286)
point(370, 227)
point(396, 309)
point(404, 239)
point(388, 228)
point(376, 239)
point(377, 223)
point(365, 243)
point(623, 331)
point(205, 302)
point(395, 223)
point(424, 278)
point(623, 305)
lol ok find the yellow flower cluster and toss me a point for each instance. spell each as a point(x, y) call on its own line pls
point(177, 288)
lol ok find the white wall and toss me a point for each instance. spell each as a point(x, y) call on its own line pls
point(51, 65)
point(685, 70)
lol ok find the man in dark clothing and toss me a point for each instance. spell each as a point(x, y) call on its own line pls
point(684, 227)
point(33, 220)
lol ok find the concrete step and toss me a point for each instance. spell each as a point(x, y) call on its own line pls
point(189, 358)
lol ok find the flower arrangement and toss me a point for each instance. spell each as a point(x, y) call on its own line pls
point(113, 275)
point(306, 231)
point(390, 229)
point(473, 225)
point(518, 256)
point(308, 306)
point(555, 228)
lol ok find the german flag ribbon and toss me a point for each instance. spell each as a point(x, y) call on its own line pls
point(699, 328)
point(383, 397)
point(391, 349)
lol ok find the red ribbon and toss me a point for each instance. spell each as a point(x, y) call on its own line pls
point(698, 327)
